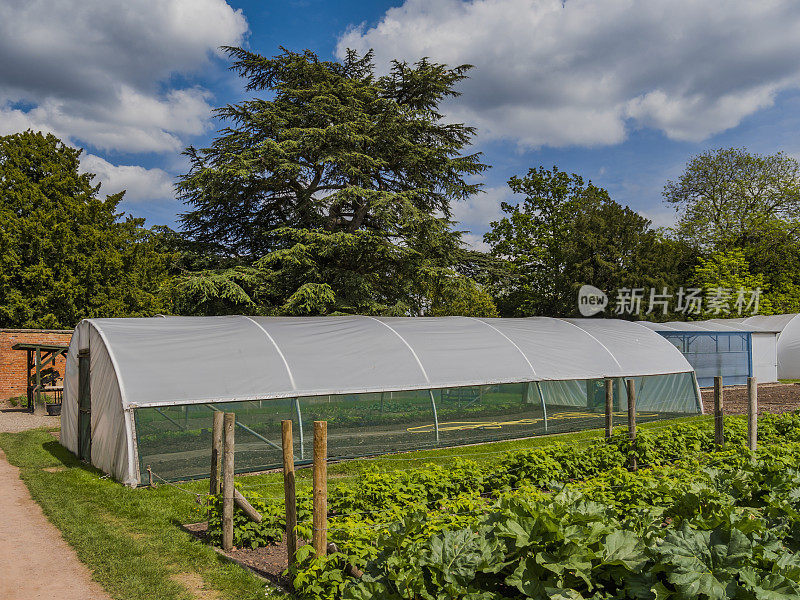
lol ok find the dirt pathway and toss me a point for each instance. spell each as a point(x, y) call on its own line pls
point(35, 561)
point(772, 398)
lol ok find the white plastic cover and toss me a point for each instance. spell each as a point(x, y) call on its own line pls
point(113, 448)
point(765, 357)
point(184, 360)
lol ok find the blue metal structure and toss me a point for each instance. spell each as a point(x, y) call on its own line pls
point(712, 353)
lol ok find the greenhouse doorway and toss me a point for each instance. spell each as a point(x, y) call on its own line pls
point(84, 407)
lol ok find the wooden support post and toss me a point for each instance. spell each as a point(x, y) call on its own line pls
point(609, 407)
point(216, 454)
point(320, 536)
point(752, 413)
point(229, 427)
point(149, 476)
point(29, 393)
point(719, 433)
point(349, 568)
point(632, 423)
point(246, 507)
point(38, 405)
point(289, 498)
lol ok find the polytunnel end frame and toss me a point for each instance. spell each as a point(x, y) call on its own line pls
point(130, 421)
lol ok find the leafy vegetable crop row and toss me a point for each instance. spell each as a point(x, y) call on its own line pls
point(564, 521)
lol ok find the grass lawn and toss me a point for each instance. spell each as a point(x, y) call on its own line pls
point(131, 540)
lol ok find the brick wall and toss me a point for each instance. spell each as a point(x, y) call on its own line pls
point(13, 363)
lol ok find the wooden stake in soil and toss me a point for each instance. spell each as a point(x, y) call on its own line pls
point(752, 413)
point(216, 454)
point(321, 487)
point(289, 498)
point(227, 482)
point(609, 407)
point(246, 507)
point(632, 422)
point(719, 434)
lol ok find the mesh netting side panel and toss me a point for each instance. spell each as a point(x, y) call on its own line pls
point(374, 423)
point(489, 413)
point(175, 441)
point(725, 354)
point(580, 405)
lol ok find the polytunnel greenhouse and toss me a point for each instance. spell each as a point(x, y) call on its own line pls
point(788, 328)
point(723, 347)
point(141, 393)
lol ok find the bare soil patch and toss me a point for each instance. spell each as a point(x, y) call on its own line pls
point(773, 398)
point(269, 562)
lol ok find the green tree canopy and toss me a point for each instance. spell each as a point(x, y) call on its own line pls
point(722, 274)
point(65, 253)
point(729, 197)
point(333, 192)
point(566, 233)
point(334, 148)
point(775, 255)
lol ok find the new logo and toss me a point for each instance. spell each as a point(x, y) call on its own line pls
point(591, 300)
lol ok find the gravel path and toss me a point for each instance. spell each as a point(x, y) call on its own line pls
point(31, 543)
point(14, 419)
point(28, 541)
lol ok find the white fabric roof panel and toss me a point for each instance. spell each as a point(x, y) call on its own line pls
point(183, 360)
point(776, 322)
point(634, 347)
point(553, 346)
point(741, 324)
point(712, 325)
point(326, 353)
point(192, 359)
point(452, 349)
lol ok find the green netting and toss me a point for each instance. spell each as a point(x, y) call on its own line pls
point(176, 441)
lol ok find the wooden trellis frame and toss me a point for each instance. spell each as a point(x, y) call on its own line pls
point(40, 356)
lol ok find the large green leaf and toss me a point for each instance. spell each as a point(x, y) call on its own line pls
point(623, 548)
point(703, 563)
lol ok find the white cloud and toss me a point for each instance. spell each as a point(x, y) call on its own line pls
point(665, 217)
point(475, 214)
point(584, 72)
point(103, 72)
point(140, 184)
point(474, 242)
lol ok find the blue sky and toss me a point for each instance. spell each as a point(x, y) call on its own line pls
point(623, 92)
